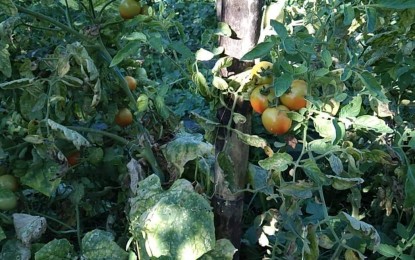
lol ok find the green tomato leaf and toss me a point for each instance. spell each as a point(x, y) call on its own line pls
point(395, 4)
point(320, 146)
point(335, 164)
point(280, 29)
point(388, 250)
point(2, 234)
point(348, 14)
point(142, 103)
point(353, 108)
point(130, 48)
point(282, 84)
point(371, 15)
point(222, 63)
point(258, 178)
point(410, 186)
point(59, 249)
point(6, 67)
point(372, 123)
point(260, 50)
point(219, 83)
point(278, 162)
point(301, 190)
point(311, 169)
point(223, 30)
point(99, 244)
point(8, 8)
point(340, 183)
point(326, 58)
point(373, 86)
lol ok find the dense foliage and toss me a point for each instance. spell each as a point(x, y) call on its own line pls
point(107, 130)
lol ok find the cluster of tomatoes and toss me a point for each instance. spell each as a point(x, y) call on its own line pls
point(124, 117)
point(274, 117)
point(130, 8)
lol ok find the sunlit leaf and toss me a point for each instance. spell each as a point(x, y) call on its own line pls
point(353, 108)
point(251, 140)
point(313, 172)
point(224, 250)
point(372, 123)
point(340, 183)
point(59, 249)
point(204, 55)
point(278, 162)
point(77, 139)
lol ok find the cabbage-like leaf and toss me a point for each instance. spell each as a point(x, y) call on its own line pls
point(57, 249)
point(177, 223)
point(99, 244)
point(184, 148)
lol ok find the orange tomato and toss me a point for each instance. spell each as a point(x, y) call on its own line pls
point(294, 99)
point(124, 117)
point(275, 120)
point(260, 99)
point(132, 83)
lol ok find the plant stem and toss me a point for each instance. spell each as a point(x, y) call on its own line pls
point(54, 22)
point(78, 227)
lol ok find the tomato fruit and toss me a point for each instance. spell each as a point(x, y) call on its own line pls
point(129, 8)
point(8, 200)
point(124, 117)
point(294, 99)
point(132, 83)
point(260, 99)
point(261, 73)
point(8, 182)
point(275, 120)
point(73, 158)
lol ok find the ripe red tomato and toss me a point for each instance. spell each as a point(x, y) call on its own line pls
point(132, 83)
point(124, 117)
point(260, 99)
point(275, 120)
point(294, 99)
point(8, 182)
point(129, 8)
point(73, 158)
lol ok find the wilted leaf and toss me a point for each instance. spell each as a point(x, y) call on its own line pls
point(57, 249)
point(28, 228)
point(77, 139)
point(99, 244)
point(222, 63)
point(201, 84)
point(363, 229)
point(184, 148)
point(340, 183)
point(336, 164)
point(251, 140)
point(142, 103)
point(278, 162)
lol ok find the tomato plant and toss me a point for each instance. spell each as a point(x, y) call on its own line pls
point(261, 73)
point(260, 98)
point(8, 200)
point(8, 182)
point(129, 8)
point(131, 81)
point(275, 120)
point(124, 117)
